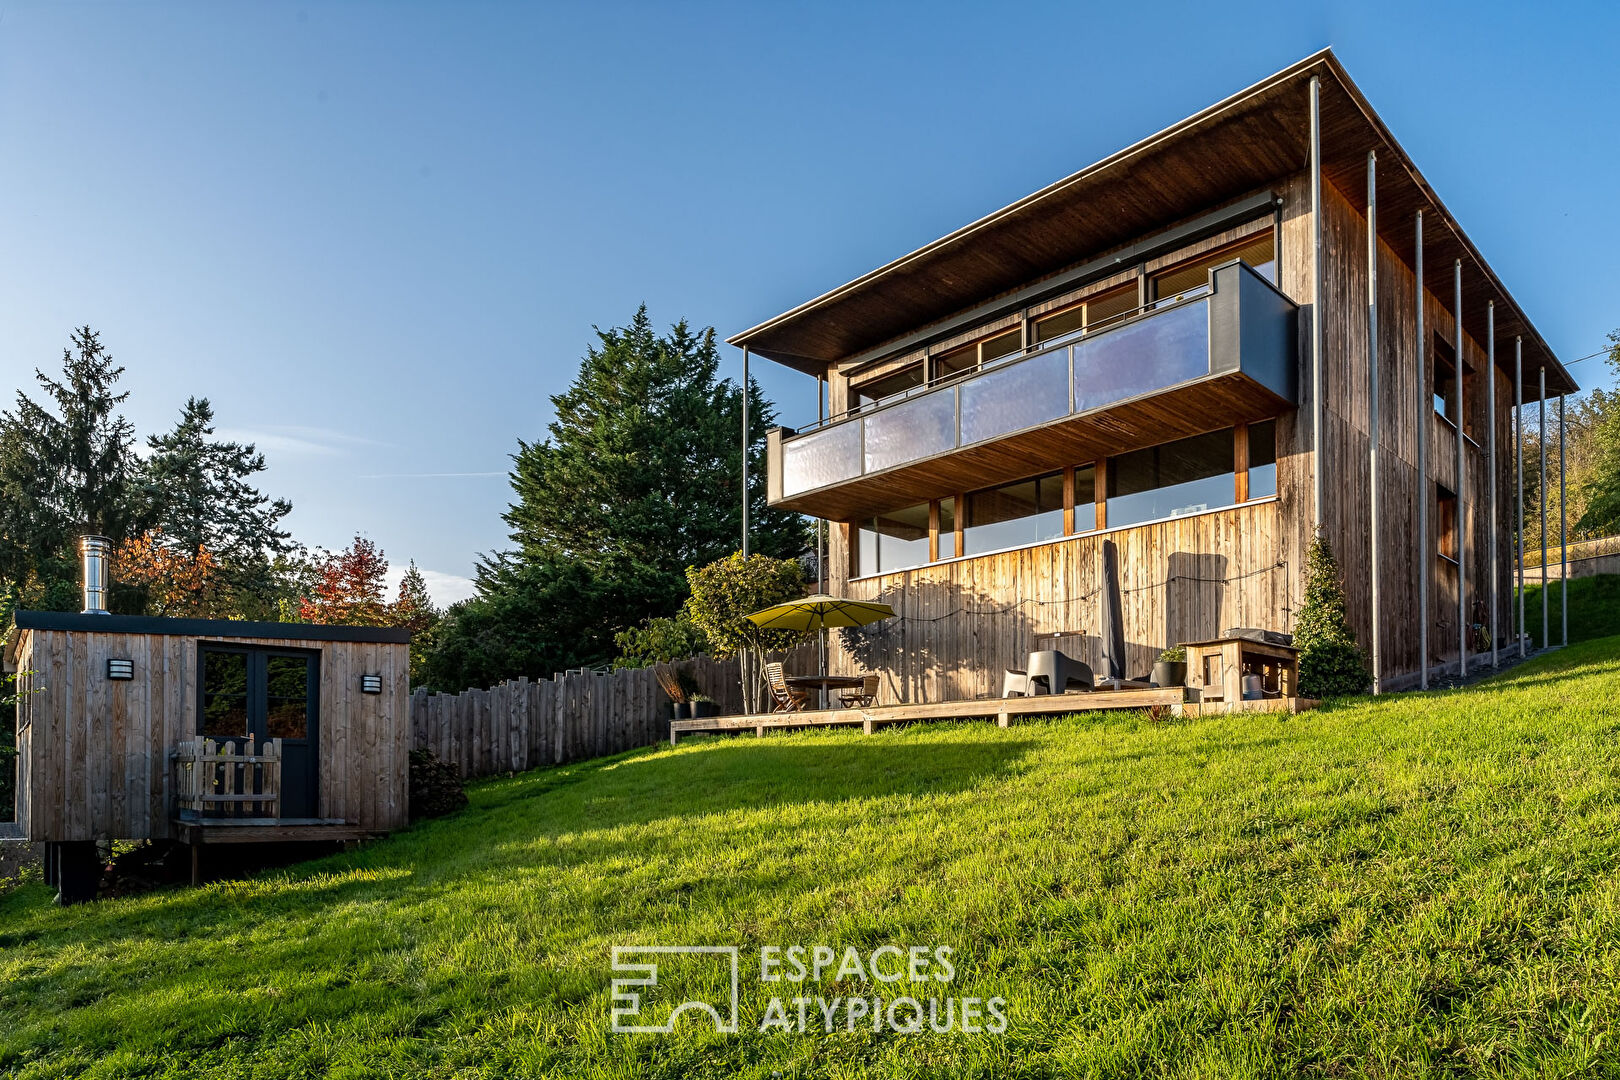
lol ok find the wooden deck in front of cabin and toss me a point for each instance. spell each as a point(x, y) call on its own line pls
point(1175, 701)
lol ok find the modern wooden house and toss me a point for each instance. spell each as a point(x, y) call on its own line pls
point(202, 731)
point(1254, 325)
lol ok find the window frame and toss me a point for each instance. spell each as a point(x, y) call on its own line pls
point(1073, 493)
point(1139, 273)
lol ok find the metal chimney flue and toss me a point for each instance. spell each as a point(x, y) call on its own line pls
point(94, 551)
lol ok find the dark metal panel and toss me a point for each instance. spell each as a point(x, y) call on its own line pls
point(218, 628)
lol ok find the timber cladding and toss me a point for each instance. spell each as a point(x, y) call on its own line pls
point(960, 624)
point(522, 724)
point(94, 752)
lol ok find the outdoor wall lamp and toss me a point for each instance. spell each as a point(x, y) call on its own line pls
point(120, 669)
point(371, 684)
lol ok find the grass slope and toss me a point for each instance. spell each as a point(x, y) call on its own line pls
point(1594, 607)
point(1419, 886)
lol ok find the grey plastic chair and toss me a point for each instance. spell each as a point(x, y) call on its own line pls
point(1054, 672)
point(1014, 683)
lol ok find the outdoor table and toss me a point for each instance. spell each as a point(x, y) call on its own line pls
point(1218, 666)
point(825, 684)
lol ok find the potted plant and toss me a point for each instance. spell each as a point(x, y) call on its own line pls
point(702, 705)
point(680, 685)
point(1171, 667)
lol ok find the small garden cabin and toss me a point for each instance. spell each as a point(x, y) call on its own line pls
point(204, 731)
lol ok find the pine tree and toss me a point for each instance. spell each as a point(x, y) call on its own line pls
point(638, 478)
point(63, 473)
point(413, 607)
point(197, 490)
point(1331, 663)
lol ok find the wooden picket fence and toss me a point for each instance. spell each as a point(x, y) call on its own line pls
point(524, 724)
point(216, 778)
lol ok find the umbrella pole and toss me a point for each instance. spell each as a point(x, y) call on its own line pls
point(822, 641)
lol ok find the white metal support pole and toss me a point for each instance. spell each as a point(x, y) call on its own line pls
point(1541, 435)
point(1316, 302)
point(1490, 467)
point(1425, 557)
point(742, 654)
point(1374, 433)
point(821, 523)
point(1462, 480)
point(1518, 478)
point(745, 453)
point(1563, 524)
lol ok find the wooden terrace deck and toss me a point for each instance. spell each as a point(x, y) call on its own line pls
point(1180, 701)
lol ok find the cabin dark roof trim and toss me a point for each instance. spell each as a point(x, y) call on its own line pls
point(214, 628)
point(1236, 146)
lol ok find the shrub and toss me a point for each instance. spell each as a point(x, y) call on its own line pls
point(660, 641)
point(1175, 654)
point(724, 592)
point(435, 786)
point(1331, 663)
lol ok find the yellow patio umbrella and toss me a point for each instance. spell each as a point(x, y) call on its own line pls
point(819, 612)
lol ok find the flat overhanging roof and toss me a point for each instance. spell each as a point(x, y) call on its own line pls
point(1228, 150)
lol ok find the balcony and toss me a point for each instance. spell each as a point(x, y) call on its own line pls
point(1194, 365)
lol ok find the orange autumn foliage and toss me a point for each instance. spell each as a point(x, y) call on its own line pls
point(177, 581)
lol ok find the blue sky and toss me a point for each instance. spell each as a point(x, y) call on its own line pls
point(378, 235)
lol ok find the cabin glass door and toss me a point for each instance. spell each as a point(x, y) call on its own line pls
point(267, 694)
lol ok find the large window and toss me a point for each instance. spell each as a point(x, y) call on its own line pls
point(1262, 459)
point(1192, 278)
point(1445, 379)
point(978, 354)
point(947, 529)
point(1188, 476)
point(893, 541)
point(1094, 313)
point(1446, 523)
point(1013, 515)
point(1175, 479)
point(871, 391)
point(1085, 498)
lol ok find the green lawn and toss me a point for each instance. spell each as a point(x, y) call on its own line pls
point(1421, 886)
point(1594, 607)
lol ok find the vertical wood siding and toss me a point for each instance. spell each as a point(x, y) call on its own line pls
point(97, 751)
point(964, 622)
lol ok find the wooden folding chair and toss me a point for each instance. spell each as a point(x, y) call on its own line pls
point(784, 697)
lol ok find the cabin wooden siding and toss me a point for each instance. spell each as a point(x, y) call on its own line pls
point(961, 654)
point(94, 752)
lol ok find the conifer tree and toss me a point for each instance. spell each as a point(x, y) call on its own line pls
point(65, 469)
point(197, 491)
point(638, 478)
point(1331, 663)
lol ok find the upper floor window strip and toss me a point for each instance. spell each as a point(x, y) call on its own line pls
point(1101, 310)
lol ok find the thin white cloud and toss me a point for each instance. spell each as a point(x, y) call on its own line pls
point(425, 475)
point(299, 440)
point(446, 589)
